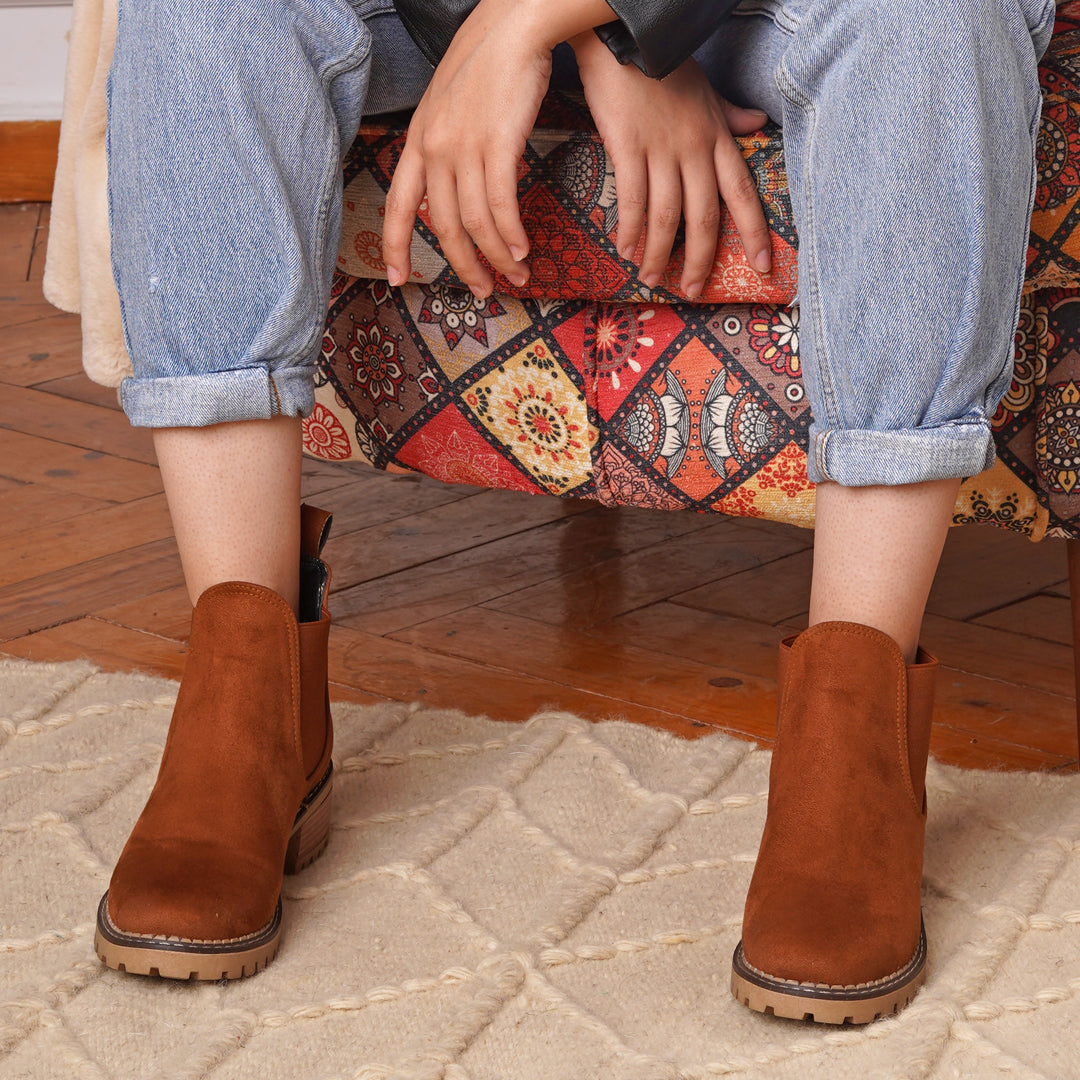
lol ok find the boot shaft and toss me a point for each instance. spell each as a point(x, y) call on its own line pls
point(835, 895)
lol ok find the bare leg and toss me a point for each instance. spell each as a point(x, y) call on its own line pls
point(234, 496)
point(875, 553)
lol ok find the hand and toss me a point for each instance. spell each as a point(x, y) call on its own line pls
point(463, 146)
point(468, 134)
point(672, 147)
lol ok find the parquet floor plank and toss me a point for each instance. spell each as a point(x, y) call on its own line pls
point(440, 530)
point(78, 387)
point(40, 349)
point(74, 423)
point(983, 568)
point(41, 240)
point(18, 231)
point(1045, 618)
point(337, 472)
point(323, 489)
point(724, 697)
point(33, 505)
point(375, 498)
point(975, 703)
point(21, 302)
point(951, 746)
point(113, 648)
point(1010, 653)
point(1001, 710)
point(487, 571)
point(339, 692)
point(721, 547)
point(780, 590)
point(166, 613)
point(85, 588)
point(724, 641)
point(75, 470)
point(403, 672)
point(109, 531)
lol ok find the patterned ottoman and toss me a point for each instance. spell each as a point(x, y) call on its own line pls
point(589, 384)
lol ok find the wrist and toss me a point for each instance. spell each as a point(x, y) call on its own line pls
point(587, 48)
point(554, 21)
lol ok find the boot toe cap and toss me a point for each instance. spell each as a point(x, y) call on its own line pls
point(202, 899)
point(837, 945)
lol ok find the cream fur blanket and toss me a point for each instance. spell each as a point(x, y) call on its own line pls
point(549, 901)
point(78, 273)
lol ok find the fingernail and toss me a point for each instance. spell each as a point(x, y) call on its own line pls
point(393, 275)
point(626, 251)
point(518, 252)
point(763, 262)
point(478, 292)
point(692, 291)
point(518, 279)
point(652, 280)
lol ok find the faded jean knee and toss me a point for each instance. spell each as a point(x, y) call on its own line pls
point(227, 124)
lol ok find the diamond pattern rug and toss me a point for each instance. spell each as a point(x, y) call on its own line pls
point(509, 902)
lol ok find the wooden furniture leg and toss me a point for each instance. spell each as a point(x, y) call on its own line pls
point(1073, 547)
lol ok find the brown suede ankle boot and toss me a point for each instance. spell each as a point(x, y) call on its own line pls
point(833, 928)
point(243, 790)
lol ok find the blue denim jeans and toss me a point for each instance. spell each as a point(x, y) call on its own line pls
point(909, 131)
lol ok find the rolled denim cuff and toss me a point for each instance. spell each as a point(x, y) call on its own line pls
point(218, 397)
point(863, 458)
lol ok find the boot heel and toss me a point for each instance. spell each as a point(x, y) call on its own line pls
point(311, 833)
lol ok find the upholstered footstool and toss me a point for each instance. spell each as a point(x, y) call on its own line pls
point(589, 384)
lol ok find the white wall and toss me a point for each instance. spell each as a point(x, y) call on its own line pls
point(33, 49)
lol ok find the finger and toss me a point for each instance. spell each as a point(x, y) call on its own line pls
point(457, 245)
point(501, 178)
point(631, 192)
point(402, 204)
point(742, 121)
point(478, 222)
point(740, 194)
point(701, 211)
point(664, 214)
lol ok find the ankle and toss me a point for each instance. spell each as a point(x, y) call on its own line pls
point(904, 635)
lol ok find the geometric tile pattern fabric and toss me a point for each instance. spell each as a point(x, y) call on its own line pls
point(675, 406)
point(1054, 253)
point(557, 899)
point(588, 384)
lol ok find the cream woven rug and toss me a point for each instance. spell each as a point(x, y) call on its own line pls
point(504, 902)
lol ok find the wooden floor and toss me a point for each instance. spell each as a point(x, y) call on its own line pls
point(490, 601)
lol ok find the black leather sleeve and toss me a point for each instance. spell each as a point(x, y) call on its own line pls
point(656, 35)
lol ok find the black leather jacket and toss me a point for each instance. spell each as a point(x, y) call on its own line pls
point(657, 35)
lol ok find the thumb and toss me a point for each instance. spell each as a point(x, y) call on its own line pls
point(742, 121)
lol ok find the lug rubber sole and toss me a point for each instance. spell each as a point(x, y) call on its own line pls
point(822, 1004)
point(232, 958)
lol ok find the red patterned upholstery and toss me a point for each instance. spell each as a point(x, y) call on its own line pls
point(588, 383)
